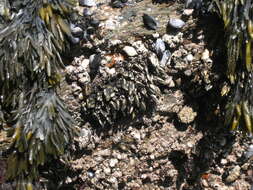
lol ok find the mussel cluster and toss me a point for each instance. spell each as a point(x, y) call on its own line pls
point(32, 38)
point(131, 91)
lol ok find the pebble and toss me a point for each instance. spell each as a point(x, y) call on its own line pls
point(105, 152)
point(188, 12)
point(94, 22)
point(249, 152)
point(77, 31)
point(130, 51)
point(91, 174)
point(159, 47)
point(140, 47)
point(205, 55)
point(233, 174)
point(115, 42)
point(113, 162)
point(87, 12)
point(165, 58)
point(107, 171)
point(176, 23)
point(154, 60)
point(189, 57)
point(223, 161)
point(88, 3)
point(136, 135)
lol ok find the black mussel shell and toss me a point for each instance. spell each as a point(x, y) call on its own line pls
point(94, 23)
point(149, 22)
point(117, 4)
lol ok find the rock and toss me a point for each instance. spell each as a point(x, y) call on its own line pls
point(188, 12)
point(165, 58)
point(186, 115)
point(136, 135)
point(159, 47)
point(113, 162)
point(130, 51)
point(87, 12)
point(94, 23)
point(176, 23)
point(104, 152)
point(189, 57)
point(153, 60)
point(87, 3)
point(140, 47)
point(149, 22)
point(77, 31)
point(94, 62)
point(111, 24)
point(223, 161)
point(115, 42)
point(107, 171)
point(249, 152)
point(233, 174)
point(205, 55)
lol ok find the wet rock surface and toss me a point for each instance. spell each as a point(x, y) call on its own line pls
point(161, 128)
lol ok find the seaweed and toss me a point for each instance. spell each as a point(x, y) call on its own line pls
point(33, 35)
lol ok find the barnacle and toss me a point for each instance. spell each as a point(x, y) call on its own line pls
point(30, 63)
point(131, 91)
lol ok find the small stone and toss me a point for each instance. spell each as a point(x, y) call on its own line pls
point(70, 69)
point(105, 152)
point(113, 180)
point(176, 23)
point(87, 12)
point(88, 3)
point(140, 47)
point(94, 23)
point(205, 55)
point(107, 171)
point(249, 152)
point(155, 35)
point(165, 58)
point(77, 31)
point(130, 51)
point(153, 60)
point(115, 42)
point(159, 47)
point(111, 24)
point(91, 174)
point(233, 174)
point(188, 12)
point(190, 144)
point(223, 161)
point(189, 57)
point(188, 72)
point(136, 135)
point(204, 182)
point(117, 174)
point(113, 162)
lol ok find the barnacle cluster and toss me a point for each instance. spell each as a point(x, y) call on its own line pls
point(32, 37)
point(130, 92)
